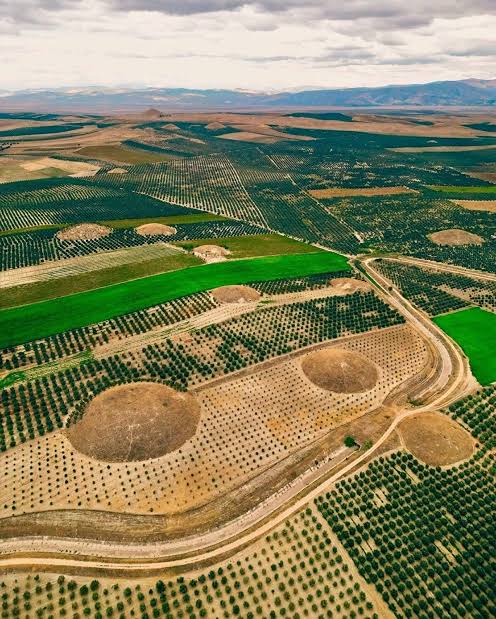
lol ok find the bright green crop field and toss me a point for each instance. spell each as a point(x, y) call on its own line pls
point(37, 320)
point(475, 330)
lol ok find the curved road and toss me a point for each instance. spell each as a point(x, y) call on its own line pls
point(453, 381)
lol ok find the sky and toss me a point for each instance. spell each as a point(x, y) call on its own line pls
point(264, 45)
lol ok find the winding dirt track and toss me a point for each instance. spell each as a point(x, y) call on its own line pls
point(453, 380)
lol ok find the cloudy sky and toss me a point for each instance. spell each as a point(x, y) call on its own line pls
point(255, 45)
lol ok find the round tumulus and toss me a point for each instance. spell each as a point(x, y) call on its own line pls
point(456, 236)
point(348, 285)
point(235, 294)
point(340, 371)
point(134, 422)
point(83, 232)
point(211, 253)
point(154, 229)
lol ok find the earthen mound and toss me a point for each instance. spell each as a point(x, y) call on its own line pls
point(215, 126)
point(348, 285)
point(455, 237)
point(133, 422)
point(83, 232)
point(117, 171)
point(436, 439)
point(211, 253)
point(171, 127)
point(235, 294)
point(155, 229)
point(340, 371)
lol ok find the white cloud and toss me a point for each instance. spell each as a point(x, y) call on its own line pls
point(265, 45)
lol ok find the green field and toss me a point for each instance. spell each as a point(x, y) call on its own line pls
point(462, 189)
point(37, 320)
point(475, 330)
point(120, 154)
point(257, 245)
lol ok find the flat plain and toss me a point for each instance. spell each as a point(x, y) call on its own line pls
point(247, 364)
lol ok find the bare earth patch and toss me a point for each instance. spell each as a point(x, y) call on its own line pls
point(235, 294)
point(215, 126)
point(477, 205)
point(211, 253)
point(153, 229)
point(117, 171)
point(134, 422)
point(348, 285)
point(83, 232)
point(340, 192)
point(455, 237)
point(340, 370)
point(436, 439)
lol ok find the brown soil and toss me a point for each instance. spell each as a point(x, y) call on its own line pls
point(436, 439)
point(235, 294)
point(215, 126)
point(154, 229)
point(133, 422)
point(171, 127)
point(83, 232)
point(348, 285)
point(477, 205)
point(338, 192)
point(455, 237)
point(118, 171)
point(211, 253)
point(340, 371)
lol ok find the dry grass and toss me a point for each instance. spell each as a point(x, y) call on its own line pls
point(135, 422)
point(477, 205)
point(340, 192)
point(436, 439)
point(235, 294)
point(340, 371)
point(455, 237)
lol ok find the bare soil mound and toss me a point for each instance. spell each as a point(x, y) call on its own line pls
point(348, 285)
point(340, 371)
point(154, 229)
point(171, 127)
point(235, 294)
point(436, 439)
point(456, 237)
point(211, 253)
point(83, 232)
point(117, 171)
point(215, 126)
point(135, 422)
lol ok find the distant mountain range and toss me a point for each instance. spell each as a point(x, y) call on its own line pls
point(471, 92)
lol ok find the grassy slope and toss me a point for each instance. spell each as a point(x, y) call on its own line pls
point(121, 154)
point(28, 322)
point(256, 245)
point(462, 189)
point(475, 330)
point(53, 288)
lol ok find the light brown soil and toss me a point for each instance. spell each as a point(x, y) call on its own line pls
point(215, 126)
point(248, 136)
point(436, 439)
point(211, 253)
point(340, 371)
point(477, 205)
point(348, 285)
point(83, 232)
point(455, 237)
point(154, 229)
point(118, 171)
point(235, 294)
point(171, 127)
point(339, 192)
point(134, 422)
